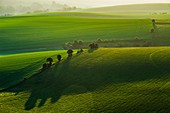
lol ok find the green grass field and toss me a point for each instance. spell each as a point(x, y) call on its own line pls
point(121, 80)
point(14, 68)
point(105, 80)
point(49, 32)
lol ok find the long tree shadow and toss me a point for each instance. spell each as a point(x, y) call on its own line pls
point(50, 86)
point(62, 79)
point(10, 78)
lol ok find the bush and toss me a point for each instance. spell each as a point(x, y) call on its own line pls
point(59, 57)
point(93, 46)
point(70, 53)
point(50, 60)
point(80, 51)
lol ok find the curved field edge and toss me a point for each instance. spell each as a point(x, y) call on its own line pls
point(105, 80)
point(50, 31)
point(14, 68)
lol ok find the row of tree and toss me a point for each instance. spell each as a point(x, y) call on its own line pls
point(49, 61)
point(153, 26)
point(93, 46)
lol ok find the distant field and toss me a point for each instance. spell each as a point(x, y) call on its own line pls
point(45, 32)
point(121, 80)
point(51, 31)
point(91, 14)
point(156, 8)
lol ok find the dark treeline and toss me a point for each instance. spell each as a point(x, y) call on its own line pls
point(49, 61)
point(109, 43)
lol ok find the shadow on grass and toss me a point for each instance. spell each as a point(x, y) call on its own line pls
point(91, 50)
point(9, 78)
point(63, 79)
point(50, 84)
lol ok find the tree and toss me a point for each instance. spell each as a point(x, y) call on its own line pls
point(153, 20)
point(78, 52)
point(93, 46)
point(81, 50)
point(154, 23)
point(50, 60)
point(70, 53)
point(59, 57)
point(96, 46)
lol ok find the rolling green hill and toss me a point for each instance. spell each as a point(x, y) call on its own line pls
point(106, 80)
point(14, 68)
point(155, 8)
point(51, 31)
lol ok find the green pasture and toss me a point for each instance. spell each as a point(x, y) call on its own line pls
point(14, 68)
point(131, 80)
point(50, 31)
point(105, 80)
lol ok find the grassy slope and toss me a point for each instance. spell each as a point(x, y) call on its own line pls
point(19, 33)
point(15, 68)
point(134, 9)
point(34, 33)
point(106, 80)
point(94, 14)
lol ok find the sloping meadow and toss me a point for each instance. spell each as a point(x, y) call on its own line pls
point(104, 80)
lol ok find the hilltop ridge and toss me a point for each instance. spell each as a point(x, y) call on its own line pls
point(152, 8)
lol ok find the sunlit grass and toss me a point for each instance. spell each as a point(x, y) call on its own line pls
point(105, 80)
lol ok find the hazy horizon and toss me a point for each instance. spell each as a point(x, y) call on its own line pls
point(100, 3)
point(85, 3)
